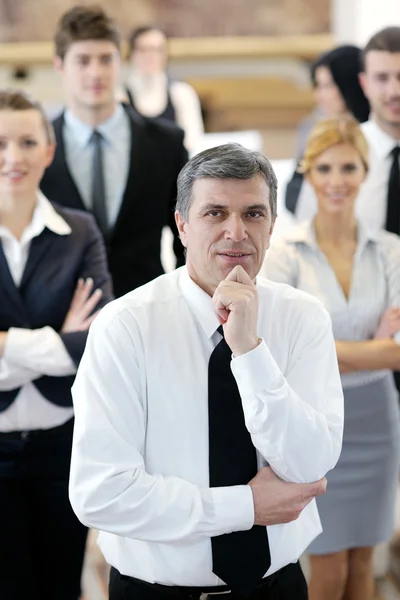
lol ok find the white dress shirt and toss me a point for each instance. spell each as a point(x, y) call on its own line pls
point(139, 469)
point(371, 204)
point(116, 132)
point(150, 97)
point(29, 354)
point(297, 260)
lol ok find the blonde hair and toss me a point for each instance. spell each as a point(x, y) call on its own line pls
point(17, 100)
point(330, 132)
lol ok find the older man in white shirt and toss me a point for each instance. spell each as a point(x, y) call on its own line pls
point(209, 407)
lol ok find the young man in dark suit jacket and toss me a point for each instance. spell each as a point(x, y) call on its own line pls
point(109, 160)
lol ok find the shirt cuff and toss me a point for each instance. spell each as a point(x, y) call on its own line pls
point(40, 350)
point(234, 508)
point(256, 371)
point(16, 344)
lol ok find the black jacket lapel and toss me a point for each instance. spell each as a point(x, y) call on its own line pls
point(39, 246)
point(140, 156)
point(60, 165)
point(8, 286)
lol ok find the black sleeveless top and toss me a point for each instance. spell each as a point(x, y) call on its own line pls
point(169, 111)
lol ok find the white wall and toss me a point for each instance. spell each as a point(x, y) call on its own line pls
point(355, 21)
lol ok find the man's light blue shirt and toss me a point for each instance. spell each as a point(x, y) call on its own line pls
point(116, 132)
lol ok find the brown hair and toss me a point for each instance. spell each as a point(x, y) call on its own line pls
point(328, 133)
point(83, 23)
point(385, 40)
point(16, 100)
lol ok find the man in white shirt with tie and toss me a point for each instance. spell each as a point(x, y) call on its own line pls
point(378, 204)
point(189, 387)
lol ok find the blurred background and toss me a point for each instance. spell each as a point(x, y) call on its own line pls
point(249, 63)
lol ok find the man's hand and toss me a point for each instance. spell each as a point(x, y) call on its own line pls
point(236, 305)
point(79, 316)
point(276, 501)
point(388, 325)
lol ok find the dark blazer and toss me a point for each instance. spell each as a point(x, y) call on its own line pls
point(133, 247)
point(55, 263)
point(293, 189)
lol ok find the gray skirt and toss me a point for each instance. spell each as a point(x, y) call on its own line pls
point(359, 505)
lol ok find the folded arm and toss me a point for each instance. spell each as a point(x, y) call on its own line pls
point(371, 355)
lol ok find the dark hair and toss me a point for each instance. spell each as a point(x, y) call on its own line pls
point(229, 161)
point(385, 40)
point(16, 100)
point(83, 23)
point(345, 65)
point(138, 32)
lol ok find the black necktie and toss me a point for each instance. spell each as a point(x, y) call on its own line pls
point(393, 197)
point(241, 558)
point(98, 185)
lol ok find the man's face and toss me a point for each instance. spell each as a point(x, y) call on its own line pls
point(229, 224)
point(90, 71)
point(381, 84)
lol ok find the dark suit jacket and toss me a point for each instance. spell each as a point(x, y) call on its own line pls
point(55, 263)
point(157, 156)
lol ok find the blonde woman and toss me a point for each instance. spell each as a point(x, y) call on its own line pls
point(356, 275)
point(53, 280)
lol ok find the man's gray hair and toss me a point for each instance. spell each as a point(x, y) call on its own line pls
point(230, 161)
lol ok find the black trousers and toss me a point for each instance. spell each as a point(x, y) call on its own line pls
point(42, 543)
point(289, 584)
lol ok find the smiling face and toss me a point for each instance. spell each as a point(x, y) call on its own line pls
point(229, 224)
point(90, 72)
point(381, 84)
point(25, 152)
point(336, 175)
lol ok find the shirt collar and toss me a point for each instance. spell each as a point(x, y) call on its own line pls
point(44, 215)
point(50, 217)
point(380, 142)
point(304, 233)
point(83, 132)
point(200, 303)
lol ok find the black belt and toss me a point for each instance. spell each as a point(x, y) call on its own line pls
point(35, 433)
point(200, 593)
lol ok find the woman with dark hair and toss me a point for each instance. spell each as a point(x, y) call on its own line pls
point(150, 90)
point(335, 78)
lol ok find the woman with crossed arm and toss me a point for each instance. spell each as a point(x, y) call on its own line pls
point(356, 274)
point(51, 260)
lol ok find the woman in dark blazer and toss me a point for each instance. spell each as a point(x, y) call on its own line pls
point(53, 280)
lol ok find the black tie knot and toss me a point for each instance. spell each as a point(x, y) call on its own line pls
point(221, 330)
